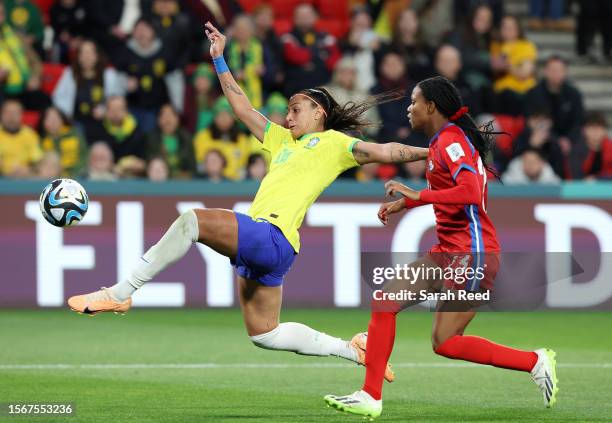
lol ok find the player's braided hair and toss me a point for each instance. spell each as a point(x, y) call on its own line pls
point(449, 103)
point(349, 116)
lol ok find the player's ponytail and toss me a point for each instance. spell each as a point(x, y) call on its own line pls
point(349, 116)
point(449, 103)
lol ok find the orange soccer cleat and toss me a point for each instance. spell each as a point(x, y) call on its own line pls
point(359, 342)
point(98, 302)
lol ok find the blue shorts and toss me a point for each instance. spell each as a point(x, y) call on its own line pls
point(264, 254)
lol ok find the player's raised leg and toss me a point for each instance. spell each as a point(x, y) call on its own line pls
point(216, 228)
point(261, 307)
point(449, 341)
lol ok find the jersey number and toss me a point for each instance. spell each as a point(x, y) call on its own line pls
point(283, 156)
point(481, 171)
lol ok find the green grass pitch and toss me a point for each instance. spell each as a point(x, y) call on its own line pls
point(244, 383)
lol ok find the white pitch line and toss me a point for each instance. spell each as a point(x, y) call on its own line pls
point(260, 366)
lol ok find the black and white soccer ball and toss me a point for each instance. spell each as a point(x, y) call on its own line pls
point(63, 202)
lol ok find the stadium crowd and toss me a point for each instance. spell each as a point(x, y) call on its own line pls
point(106, 90)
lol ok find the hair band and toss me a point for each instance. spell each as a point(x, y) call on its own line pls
point(311, 99)
point(462, 110)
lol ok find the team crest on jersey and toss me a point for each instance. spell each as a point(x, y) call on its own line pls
point(430, 165)
point(313, 141)
point(159, 67)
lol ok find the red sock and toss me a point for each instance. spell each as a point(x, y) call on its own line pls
point(381, 335)
point(482, 351)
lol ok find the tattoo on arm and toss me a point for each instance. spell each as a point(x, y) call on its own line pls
point(358, 153)
point(233, 89)
point(403, 154)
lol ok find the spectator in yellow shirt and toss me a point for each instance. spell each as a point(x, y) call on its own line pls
point(514, 58)
point(225, 136)
point(19, 144)
point(58, 135)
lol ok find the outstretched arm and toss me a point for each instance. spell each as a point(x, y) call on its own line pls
point(393, 152)
point(465, 192)
point(242, 107)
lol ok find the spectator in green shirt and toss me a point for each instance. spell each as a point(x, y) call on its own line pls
point(200, 96)
point(172, 143)
point(24, 16)
point(20, 68)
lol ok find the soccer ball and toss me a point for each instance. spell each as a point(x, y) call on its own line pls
point(63, 202)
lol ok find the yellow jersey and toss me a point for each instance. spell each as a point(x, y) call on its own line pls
point(71, 148)
point(18, 149)
point(236, 152)
point(299, 172)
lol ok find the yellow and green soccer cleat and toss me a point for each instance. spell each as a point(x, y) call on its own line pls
point(359, 403)
point(544, 374)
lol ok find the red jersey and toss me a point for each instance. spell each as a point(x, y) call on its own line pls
point(460, 228)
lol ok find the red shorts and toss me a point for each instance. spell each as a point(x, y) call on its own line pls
point(470, 271)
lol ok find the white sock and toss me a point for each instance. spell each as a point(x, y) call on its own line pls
point(303, 340)
point(172, 246)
